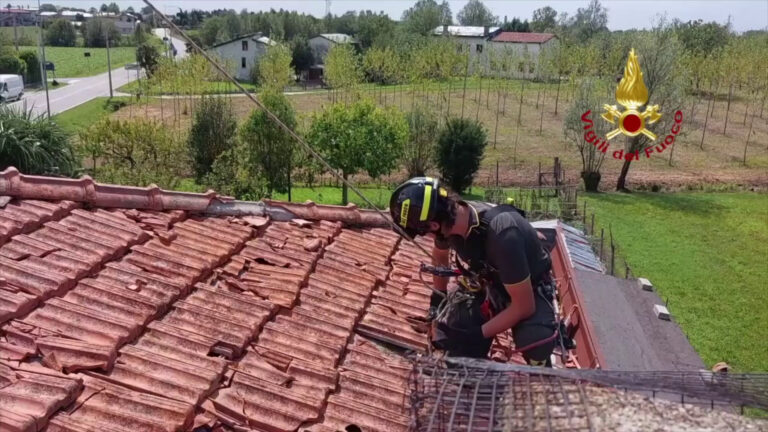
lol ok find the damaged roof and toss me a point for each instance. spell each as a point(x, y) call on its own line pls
point(126, 308)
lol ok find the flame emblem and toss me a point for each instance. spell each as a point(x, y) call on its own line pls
point(632, 94)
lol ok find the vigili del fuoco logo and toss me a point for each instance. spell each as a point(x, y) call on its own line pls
point(632, 94)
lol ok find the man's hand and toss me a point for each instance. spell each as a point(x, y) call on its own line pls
point(434, 305)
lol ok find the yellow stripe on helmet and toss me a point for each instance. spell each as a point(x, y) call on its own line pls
point(427, 201)
point(404, 213)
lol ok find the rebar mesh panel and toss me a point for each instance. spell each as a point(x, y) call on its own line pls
point(477, 395)
point(468, 399)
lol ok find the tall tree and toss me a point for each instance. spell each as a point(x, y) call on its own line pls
point(659, 56)
point(516, 26)
point(113, 8)
point(587, 21)
point(269, 149)
point(47, 7)
point(544, 19)
point(359, 137)
point(475, 13)
point(426, 15)
point(274, 68)
point(60, 32)
point(212, 133)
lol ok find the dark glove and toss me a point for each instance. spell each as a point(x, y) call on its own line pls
point(434, 305)
point(451, 337)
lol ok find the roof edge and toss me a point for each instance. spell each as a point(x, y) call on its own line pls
point(86, 190)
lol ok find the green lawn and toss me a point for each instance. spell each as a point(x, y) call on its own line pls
point(71, 63)
point(82, 116)
point(707, 253)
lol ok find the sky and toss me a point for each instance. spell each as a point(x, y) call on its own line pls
point(622, 14)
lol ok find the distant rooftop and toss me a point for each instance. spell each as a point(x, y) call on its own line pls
point(465, 31)
point(338, 37)
point(256, 37)
point(520, 37)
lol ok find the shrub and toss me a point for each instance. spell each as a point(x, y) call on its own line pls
point(10, 64)
point(32, 63)
point(274, 67)
point(95, 33)
point(212, 132)
point(135, 152)
point(147, 57)
point(460, 149)
point(230, 176)
point(34, 144)
point(268, 148)
point(114, 105)
point(60, 32)
point(359, 137)
point(419, 154)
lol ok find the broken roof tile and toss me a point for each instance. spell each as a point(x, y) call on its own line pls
point(33, 396)
point(73, 355)
point(113, 408)
point(15, 303)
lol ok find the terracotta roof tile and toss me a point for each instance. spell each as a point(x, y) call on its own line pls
point(520, 37)
point(32, 397)
point(72, 355)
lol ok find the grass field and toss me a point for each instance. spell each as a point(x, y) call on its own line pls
point(71, 63)
point(82, 116)
point(707, 254)
point(26, 35)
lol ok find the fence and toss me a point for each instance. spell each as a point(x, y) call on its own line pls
point(603, 242)
point(538, 202)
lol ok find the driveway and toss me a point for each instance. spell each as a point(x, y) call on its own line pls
point(181, 47)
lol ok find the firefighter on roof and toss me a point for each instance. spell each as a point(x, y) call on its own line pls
point(505, 280)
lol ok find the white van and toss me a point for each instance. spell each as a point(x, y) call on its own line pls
point(11, 87)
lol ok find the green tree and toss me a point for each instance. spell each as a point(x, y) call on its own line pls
point(587, 22)
point(588, 98)
point(659, 55)
point(212, 133)
point(32, 68)
point(544, 19)
point(460, 148)
point(516, 25)
point(135, 152)
point(60, 32)
point(301, 55)
point(113, 8)
point(47, 7)
point(274, 68)
point(419, 154)
point(359, 137)
point(10, 64)
point(268, 148)
point(97, 30)
point(34, 144)
point(475, 13)
point(425, 16)
point(372, 26)
point(211, 29)
point(342, 68)
point(381, 65)
point(147, 56)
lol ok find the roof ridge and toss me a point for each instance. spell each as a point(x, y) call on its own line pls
point(86, 190)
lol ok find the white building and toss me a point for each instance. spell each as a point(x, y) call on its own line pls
point(320, 45)
point(519, 54)
point(470, 40)
point(243, 53)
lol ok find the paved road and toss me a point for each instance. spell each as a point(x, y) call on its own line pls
point(79, 91)
point(181, 47)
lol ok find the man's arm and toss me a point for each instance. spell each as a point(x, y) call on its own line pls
point(440, 258)
point(521, 306)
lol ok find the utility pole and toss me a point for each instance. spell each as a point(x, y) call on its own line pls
point(43, 69)
point(15, 33)
point(109, 64)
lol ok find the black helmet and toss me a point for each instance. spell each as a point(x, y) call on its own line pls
point(415, 203)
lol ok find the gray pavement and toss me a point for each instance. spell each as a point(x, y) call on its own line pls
point(81, 90)
point(78, 91)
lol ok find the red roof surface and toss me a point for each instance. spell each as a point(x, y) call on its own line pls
point(142, 320)
point(520, 37)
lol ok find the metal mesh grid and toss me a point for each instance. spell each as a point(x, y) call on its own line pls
point(474, 395)
point(471, 399)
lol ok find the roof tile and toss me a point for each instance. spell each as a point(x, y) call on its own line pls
point(74, 355)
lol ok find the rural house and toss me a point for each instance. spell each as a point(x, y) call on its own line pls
point(320, 45)
point(124, 23)
point(469, 39)
point(17, 16)
point(524, 50)
point(243, 53)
